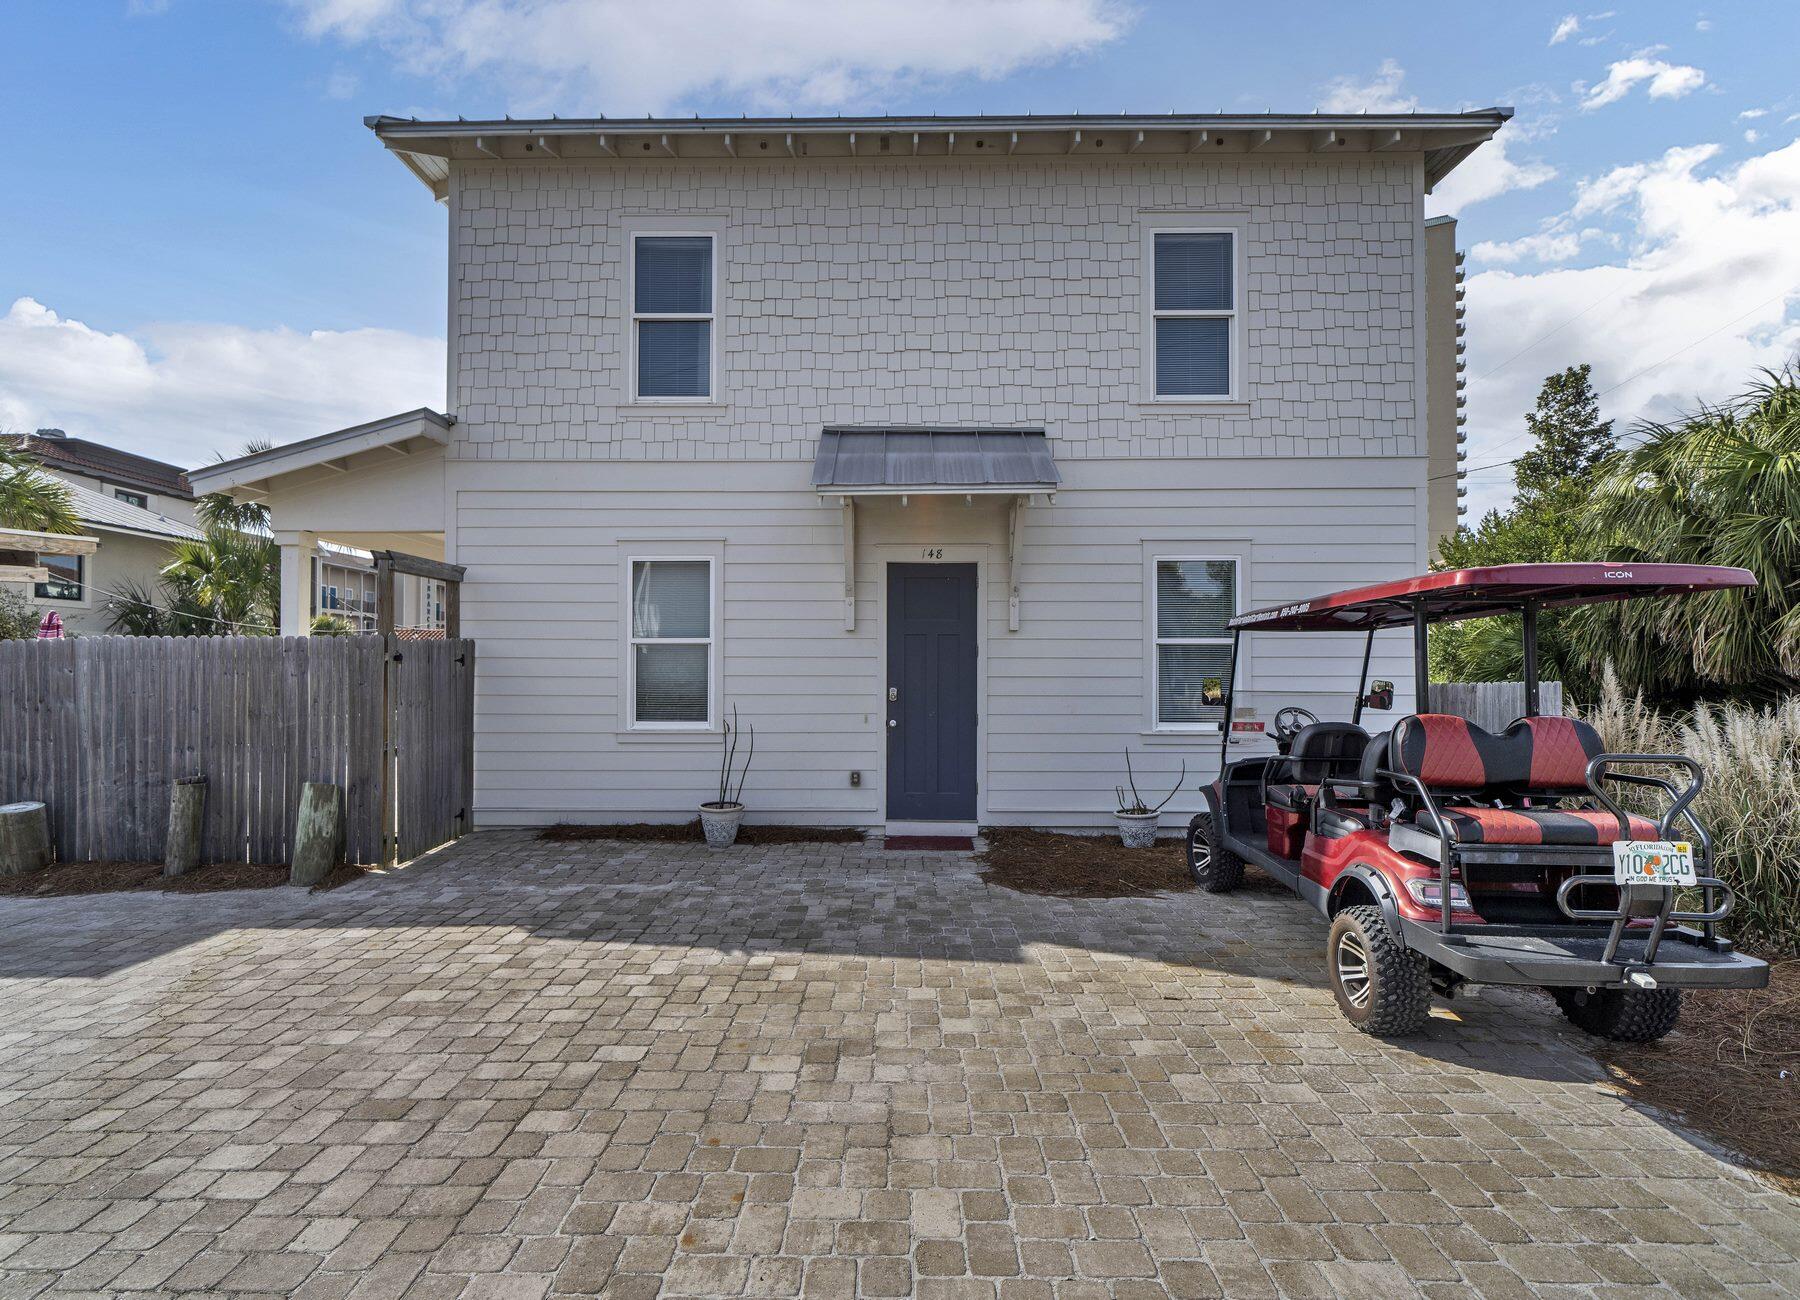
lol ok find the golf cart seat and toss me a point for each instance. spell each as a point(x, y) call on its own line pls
point(1321, 751)
point(1490, 788)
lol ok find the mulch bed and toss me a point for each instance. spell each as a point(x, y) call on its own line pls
point(62, 879)
point(1730, 1070)
point(690, 833)
point(1058, 865)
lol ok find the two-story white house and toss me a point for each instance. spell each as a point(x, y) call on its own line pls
point(939, 449)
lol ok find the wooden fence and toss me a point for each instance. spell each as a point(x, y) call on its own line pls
point(1492, 705)
point(100, 727)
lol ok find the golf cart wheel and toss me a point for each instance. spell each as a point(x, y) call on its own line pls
point(1623, 1015)
point(1214, 868)
point(1381, 988)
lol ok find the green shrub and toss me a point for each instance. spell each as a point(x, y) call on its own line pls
point(18, 617)
point(1750, 802)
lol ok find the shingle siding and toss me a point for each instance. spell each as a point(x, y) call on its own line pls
point(934, 293)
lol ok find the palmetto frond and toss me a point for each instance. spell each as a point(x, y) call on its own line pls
point(30, 498)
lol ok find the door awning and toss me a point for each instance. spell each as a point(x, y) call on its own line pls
point(934, 462)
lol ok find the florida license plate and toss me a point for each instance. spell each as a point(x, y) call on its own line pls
point(1653, 862)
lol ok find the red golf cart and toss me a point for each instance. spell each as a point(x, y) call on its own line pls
point(1447, 855)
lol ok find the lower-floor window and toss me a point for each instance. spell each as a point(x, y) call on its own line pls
point(671, 642)
point(65, 580)
point(1192, 601)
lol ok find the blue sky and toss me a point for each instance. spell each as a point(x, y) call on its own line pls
point(205, 244)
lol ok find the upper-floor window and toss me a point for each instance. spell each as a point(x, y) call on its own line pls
point(65, 581)
point(1195, 313)
point(672, 317)
point(138, 499)
point(1191, 603)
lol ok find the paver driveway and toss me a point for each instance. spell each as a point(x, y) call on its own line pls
point(521, 1068)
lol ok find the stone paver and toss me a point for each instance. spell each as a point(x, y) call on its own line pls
point(520, 1069)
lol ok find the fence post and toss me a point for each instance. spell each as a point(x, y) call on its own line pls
point(384, 628)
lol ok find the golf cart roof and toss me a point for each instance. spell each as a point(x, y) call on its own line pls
point(1477, 593)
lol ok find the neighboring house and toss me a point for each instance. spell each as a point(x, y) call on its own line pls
point(139, 481)
point(134, 545)
point(939, 449)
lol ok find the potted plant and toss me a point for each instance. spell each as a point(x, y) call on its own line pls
point(721, 817)
point(1136, 819)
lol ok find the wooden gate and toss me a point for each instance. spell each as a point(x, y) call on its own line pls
point(430, 729)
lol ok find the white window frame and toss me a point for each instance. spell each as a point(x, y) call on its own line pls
point(712, 642)
point(1195, 225)
point(1157, 640)
point(711, 395)
point(139, 499)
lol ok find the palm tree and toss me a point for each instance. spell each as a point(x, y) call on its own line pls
point(31, 499)
point(1721, 487)
point(233, 577)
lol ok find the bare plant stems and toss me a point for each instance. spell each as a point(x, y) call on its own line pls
point(1137, 807)
point(728, 744)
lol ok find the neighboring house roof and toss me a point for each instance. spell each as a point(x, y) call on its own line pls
point(327, 448)
point(428, 148)
point(109, 514)
point(858, 461)
point(56, 450)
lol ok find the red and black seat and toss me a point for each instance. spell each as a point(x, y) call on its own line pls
point(1481, 780)
point(1321, 751)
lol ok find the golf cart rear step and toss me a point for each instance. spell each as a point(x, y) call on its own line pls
point(1576, 962)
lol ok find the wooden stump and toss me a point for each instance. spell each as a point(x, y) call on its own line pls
point(187, 807)
point(318, 833)
point(24, 838)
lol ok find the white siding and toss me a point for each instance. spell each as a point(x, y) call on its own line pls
point(1061, 697)
point(999, 294)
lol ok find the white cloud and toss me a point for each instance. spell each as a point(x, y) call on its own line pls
point(1708, 291)
point(1485, 174)
point(626, 57)
point(182, 392)
point(1379, 94)
point(1751, 114)
point(1666, 80)
point(1565, 29)
point(1556, 245)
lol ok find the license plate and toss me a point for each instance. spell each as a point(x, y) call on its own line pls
point(1653, 862)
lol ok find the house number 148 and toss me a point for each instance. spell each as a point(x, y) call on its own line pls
point(932, 553)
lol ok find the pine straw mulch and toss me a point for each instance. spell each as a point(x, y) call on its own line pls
point(63, 879)
point(1730, 1071)
point(690, 833)
point(1059, 865)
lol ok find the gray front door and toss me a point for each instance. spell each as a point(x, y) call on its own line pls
point(931, 692)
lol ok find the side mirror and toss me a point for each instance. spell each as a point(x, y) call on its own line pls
point(1380, 696)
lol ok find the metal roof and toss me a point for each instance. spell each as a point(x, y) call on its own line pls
point(113, 515)
point(934, 461)
point(1477, 593)
point(428, 148)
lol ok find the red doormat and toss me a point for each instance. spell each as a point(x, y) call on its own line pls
point(928, 843)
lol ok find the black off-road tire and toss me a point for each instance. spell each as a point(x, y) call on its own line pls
point(1623, 1015)
point(1214, 868)
point(1391, 997)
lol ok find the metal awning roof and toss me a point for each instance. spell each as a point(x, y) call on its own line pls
point(927, 462)
point(1478, 593)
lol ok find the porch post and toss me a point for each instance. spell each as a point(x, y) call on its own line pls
point(297, 551)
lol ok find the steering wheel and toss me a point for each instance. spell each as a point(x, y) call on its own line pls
point(1288, 722)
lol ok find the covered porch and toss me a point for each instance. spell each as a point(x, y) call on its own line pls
point(339, 500)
